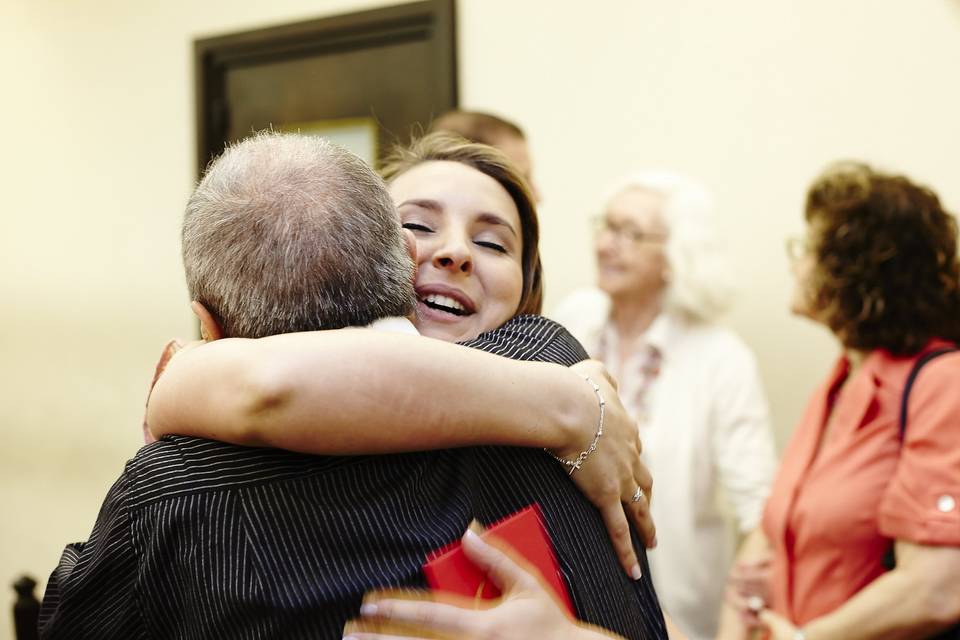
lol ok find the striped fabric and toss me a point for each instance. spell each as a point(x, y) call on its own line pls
point(205, 540)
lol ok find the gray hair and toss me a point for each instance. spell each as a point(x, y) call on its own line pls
point(699, 286)
point(290, 233)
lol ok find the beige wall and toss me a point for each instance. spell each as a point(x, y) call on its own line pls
point(751, 96)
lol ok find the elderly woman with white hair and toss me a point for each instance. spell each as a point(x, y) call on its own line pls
point(692, 385)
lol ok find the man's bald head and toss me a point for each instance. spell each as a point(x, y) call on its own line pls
point(290, 233)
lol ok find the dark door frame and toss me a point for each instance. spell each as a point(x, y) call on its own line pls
point(429, 20)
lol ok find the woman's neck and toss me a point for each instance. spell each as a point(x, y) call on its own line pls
point(855, 357)
point(631, 317)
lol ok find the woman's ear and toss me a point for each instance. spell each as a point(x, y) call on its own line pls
point(209, 327)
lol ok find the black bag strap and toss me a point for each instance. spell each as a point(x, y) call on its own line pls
point(889, 561)
point(924, 359)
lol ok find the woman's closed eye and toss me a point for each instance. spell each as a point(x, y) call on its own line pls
point(416, 226)
point(495, 246)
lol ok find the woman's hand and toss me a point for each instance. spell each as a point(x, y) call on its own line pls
point(611, 475)
point(748, 589)
point(170, 350)
point(526, 609)
point(778, 627)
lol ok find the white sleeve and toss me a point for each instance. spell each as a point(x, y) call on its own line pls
point(742, 439)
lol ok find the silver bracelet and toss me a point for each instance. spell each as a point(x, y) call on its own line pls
point(574, 465)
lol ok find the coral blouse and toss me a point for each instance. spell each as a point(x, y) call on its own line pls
point(831, 515)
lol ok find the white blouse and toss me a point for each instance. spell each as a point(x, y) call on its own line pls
point(707, 441)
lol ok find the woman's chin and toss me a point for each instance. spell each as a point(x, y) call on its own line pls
point(605, 286)
point(801, 310)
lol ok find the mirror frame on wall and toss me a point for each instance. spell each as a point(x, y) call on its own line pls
point(430, 23)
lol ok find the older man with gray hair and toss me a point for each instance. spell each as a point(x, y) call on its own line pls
point(292, 233)
point(203, 539)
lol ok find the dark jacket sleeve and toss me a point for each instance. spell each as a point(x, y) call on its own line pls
point(92, 592)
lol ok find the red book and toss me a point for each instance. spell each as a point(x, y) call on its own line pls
point(448, 570)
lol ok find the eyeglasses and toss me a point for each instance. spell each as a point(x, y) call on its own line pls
point(797, 248)
point(624, 231)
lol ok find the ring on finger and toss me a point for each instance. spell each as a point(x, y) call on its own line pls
point(638, 494)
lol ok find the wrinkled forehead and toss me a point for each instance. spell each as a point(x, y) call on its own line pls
point(638, 206)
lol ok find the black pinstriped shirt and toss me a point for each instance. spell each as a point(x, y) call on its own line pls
point(206, 540)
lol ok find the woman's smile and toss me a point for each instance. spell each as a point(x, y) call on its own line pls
point(445, 303)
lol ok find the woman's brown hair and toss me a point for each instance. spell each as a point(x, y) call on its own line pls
point(886, 274)
point(477, 126)
point(442, 146)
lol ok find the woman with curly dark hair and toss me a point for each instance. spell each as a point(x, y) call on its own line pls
point(861, 534)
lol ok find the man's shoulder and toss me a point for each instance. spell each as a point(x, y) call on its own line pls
point(175, 466)
point(531, 337)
